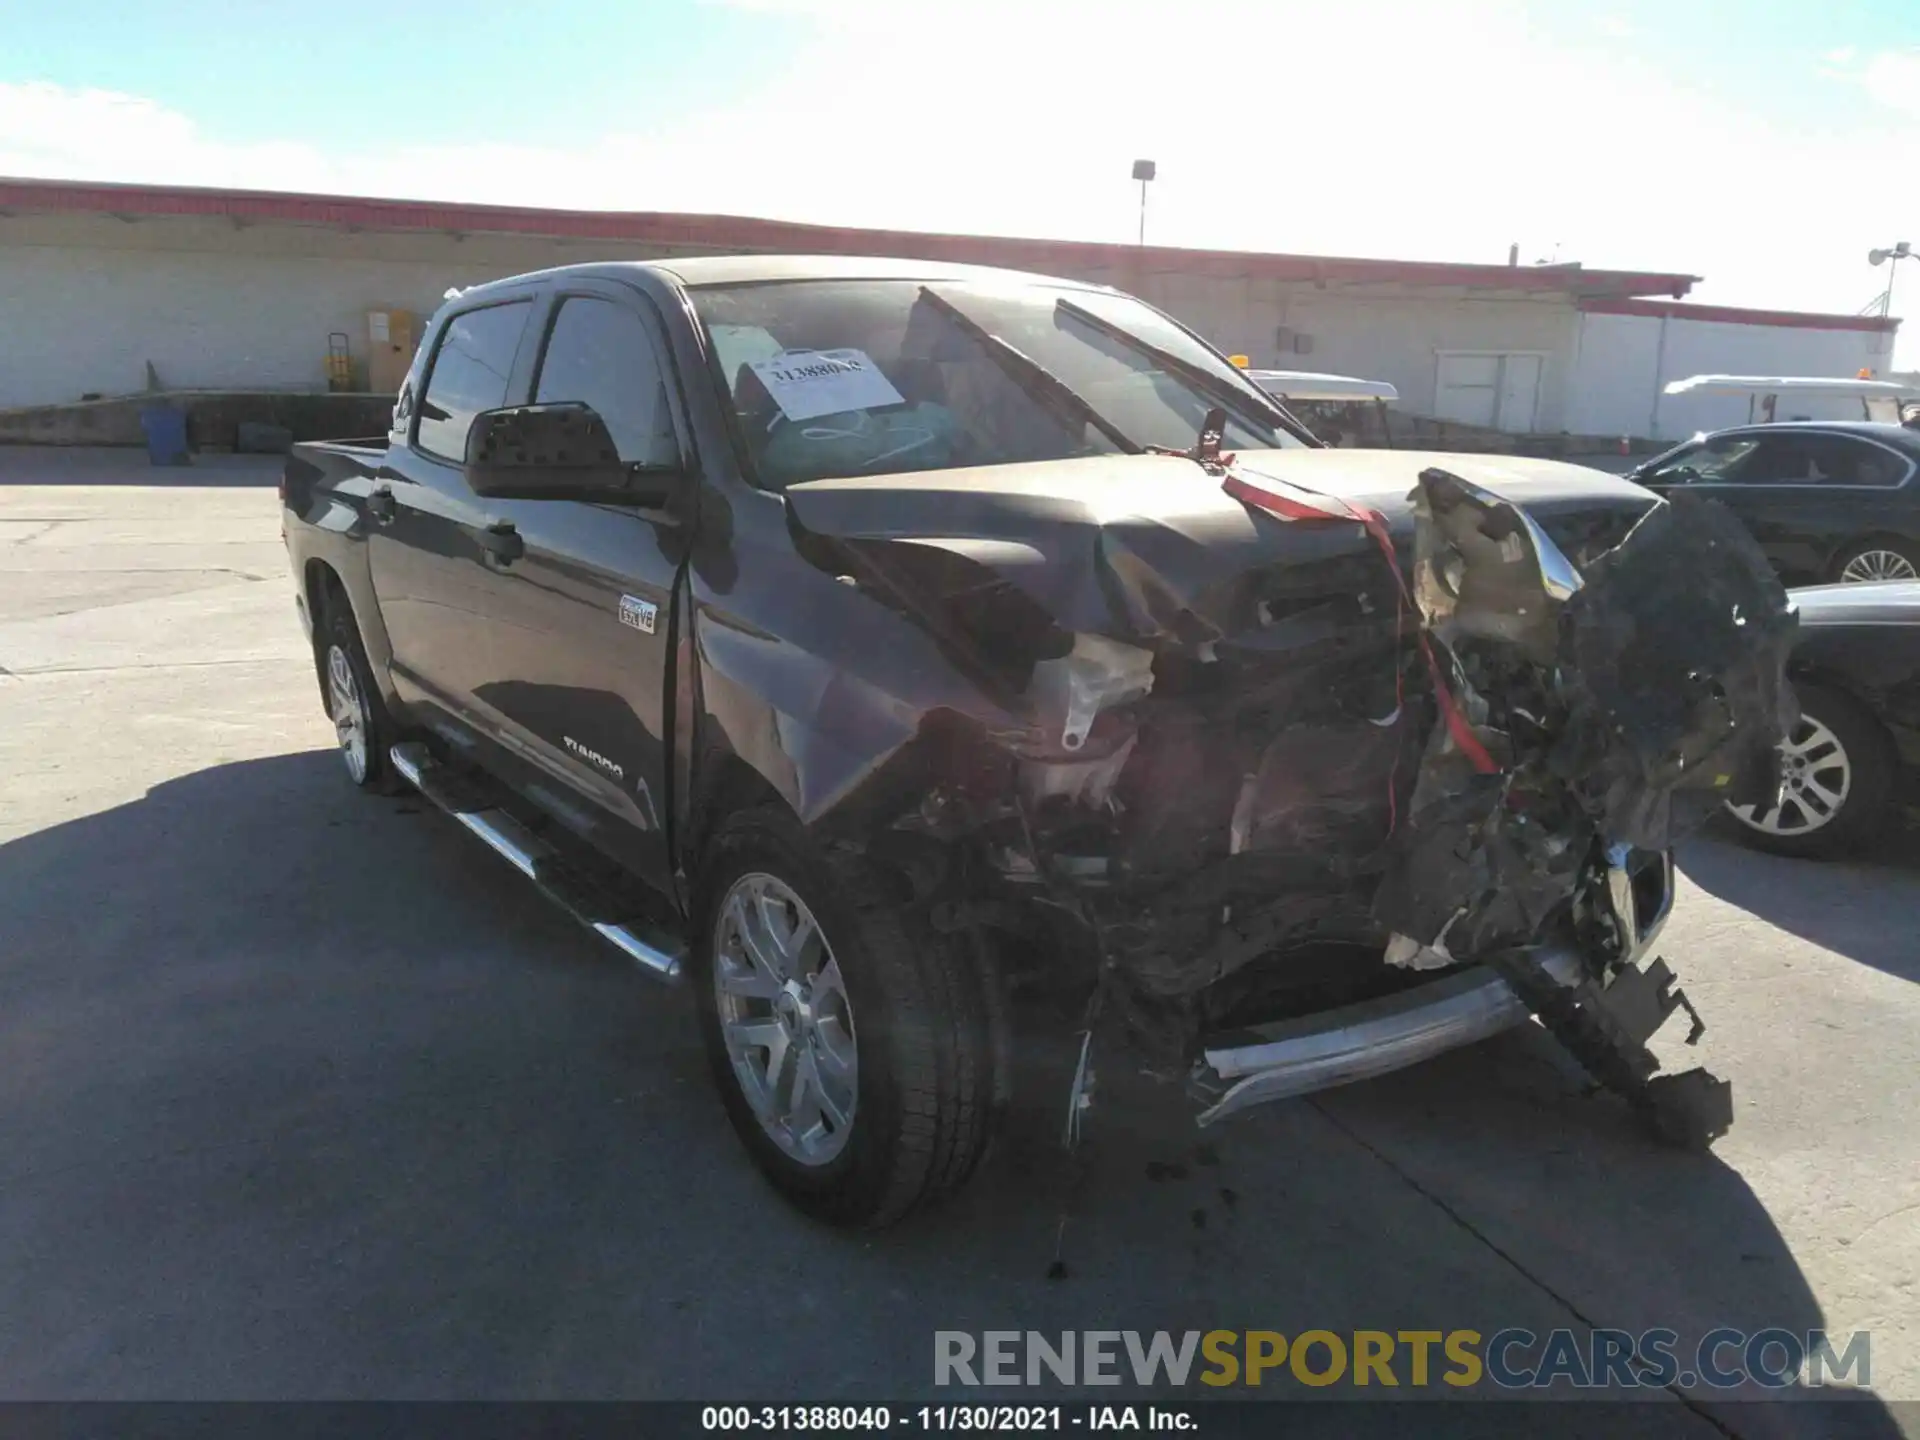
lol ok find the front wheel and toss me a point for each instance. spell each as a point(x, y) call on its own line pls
point(852, 1049)
point(1838, 781)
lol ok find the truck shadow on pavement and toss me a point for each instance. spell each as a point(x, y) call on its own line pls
point(1860, 908)
point(308, 1097)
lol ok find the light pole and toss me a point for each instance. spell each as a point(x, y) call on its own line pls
point(1890, 258)
point(1143, 172)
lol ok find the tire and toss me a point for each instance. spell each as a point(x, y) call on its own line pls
point(905, 1124)
point(360, 720)
point(1881, 558)
point(1844, 752)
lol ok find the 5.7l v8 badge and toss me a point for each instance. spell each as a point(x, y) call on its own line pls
point(638, 613)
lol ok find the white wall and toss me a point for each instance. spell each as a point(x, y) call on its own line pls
point(1617, 383)
point(1378, 332)
point(86, 300)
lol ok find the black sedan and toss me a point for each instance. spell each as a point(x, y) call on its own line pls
point(1850, 765)
point(1827, 501)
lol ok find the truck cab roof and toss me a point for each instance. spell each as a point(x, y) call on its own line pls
point(701, 270)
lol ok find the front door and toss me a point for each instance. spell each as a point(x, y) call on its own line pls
point(581, 614)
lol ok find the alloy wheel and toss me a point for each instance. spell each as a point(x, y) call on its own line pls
point(1815, 779)
point(786, 1018)
point(1878, 565)
point(350, 719)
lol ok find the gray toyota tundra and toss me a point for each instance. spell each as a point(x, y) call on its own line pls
point(873, 643)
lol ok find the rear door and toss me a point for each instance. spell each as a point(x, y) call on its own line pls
point(580, 620)
point(1806, 494)
point(425, 545)
point(1780, 497)
point(1854, 489)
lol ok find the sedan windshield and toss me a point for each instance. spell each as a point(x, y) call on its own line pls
point(833, 378)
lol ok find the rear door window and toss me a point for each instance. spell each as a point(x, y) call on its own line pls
point(1811, 458)
point(1843, 460)
point(470, 373)
point(600, 354)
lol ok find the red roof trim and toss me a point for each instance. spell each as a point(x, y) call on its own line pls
point(1734, 315)
point(732, 232)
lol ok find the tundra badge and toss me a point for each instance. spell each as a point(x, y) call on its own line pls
point(593, 757)
point(638, 613)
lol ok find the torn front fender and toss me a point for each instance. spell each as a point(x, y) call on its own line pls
point(1619, 704)
point(1659, 674)
point(821, 687)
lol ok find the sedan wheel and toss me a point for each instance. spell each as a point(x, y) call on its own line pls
point(1839, 781)
point(351, 722)
point(786, 1019)
point(1816, 778)
point(1878, 564)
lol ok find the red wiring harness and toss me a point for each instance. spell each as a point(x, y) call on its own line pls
point(1312, 506)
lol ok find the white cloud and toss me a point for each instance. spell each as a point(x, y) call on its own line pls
point(1380, 127)
point(1893, 78)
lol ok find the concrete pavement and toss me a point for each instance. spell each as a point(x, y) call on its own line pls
point(306, 1096)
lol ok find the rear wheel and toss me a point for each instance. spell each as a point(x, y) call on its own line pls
point(361, 725)
point(1837, 781)
point(854, 1051)
point(1878, 560)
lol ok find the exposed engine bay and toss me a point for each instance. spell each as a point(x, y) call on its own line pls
point(1234, 786)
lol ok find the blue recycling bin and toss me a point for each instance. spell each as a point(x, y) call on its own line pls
point(166, 431)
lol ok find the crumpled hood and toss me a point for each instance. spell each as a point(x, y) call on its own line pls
point(1140, 547)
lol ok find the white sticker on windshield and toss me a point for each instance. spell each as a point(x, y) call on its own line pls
point(808, 383)
point(737, 344)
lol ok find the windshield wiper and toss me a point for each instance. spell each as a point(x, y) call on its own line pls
point(1195, 375)
point(1031, 376)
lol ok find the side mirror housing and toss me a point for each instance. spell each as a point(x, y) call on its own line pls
point(557, 452)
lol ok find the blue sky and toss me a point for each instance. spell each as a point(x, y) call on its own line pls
point(356, 72)
point(1766, 146)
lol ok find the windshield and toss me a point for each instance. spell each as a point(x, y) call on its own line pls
point(834, 378)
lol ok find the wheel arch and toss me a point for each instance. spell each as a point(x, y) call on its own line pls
point(727, 785)
point(1889, 539)
point(322, 588)
point(332, 569)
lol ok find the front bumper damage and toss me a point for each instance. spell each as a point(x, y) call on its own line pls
point(1584, 721)
point(1287, 1058)
point(1280, 1060)
point(1288, 786)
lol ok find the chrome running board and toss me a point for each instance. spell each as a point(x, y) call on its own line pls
point(652, 949)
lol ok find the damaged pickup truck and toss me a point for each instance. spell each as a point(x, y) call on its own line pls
point(871, 642)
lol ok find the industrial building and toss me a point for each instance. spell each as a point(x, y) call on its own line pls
point(116, 289)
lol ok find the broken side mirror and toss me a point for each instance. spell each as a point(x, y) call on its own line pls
point(558, 452)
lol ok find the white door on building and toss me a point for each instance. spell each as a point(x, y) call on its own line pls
point(1499, 391)
point(1519, 392)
